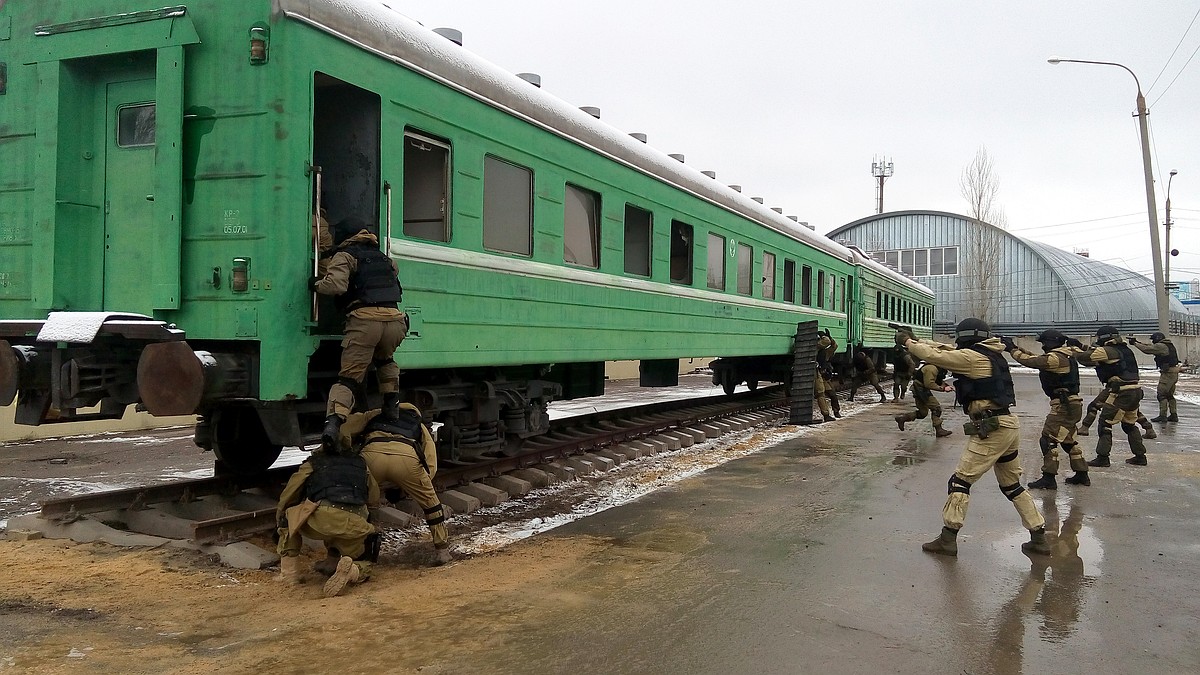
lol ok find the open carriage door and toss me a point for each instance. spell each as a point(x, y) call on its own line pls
point(346, 148)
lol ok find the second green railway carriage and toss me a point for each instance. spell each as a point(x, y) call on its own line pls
point(162, 170)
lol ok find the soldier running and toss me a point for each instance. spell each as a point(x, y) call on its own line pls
point(864, 371)
point(1117, 369)
point(929, 379)
point(1166, 359)
point(1059, 375)
point(823, 390)
point(985, 389)
point(902, 373)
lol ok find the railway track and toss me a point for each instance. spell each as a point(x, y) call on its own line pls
point(223, 509)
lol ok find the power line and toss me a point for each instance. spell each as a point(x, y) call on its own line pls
point(1172, 56)
point(1185, 65)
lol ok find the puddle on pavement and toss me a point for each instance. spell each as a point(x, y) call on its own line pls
point(908, 453)
point(907, 460)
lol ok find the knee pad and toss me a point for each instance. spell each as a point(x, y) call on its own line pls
point(348, 382)
point(1046, 444)
point(1012, 491)
point(1012, 456)
point(956, 484)
point(1128, 428)
point(434, 515)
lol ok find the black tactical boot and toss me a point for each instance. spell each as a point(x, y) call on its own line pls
point(900, 420)
point(391, 405)
point(331, 432)
point(1150, 433)
point(1100, 460)
point(1137, 460)
point(328, 566)
point(1158, 418)
point(833, 403)
point(945, 544)
point(826, 418)
point(1037, 542)
point(1172, 418)
point(939, 432)
point(1080, 478)
point(1046, 482)
point(882, 397)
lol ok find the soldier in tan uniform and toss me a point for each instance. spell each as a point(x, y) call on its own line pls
point(985, 390)
point(929, 379)
point(328, 499)
point(1059, 375)
point(823, 390)
point(1166, 359)
point(864, 371)
point(363, 281)
point(1117, 369)
point(401, 452)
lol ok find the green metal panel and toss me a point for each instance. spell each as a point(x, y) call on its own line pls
point(129, 227)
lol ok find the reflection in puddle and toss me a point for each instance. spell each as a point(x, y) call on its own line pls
point(907, 460)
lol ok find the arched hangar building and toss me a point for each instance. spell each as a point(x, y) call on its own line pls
point(1018, 285)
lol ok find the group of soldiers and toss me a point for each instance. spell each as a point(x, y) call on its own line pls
point(334, 495)
point(984, 388)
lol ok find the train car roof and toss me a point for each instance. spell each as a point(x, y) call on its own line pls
point(375, 27)
point(861, 258)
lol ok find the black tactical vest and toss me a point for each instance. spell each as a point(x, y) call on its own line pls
point(1126, 368)
point(406, 428)
point(373, 284)
point(997, 387)
point(899, 363)
point(340, 479)
point(1171, 359)
point(1052, 383)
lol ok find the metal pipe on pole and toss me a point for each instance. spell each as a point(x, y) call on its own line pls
point(1167, 232)
point(1160, 287)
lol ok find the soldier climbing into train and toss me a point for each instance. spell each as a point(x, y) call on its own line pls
point(363, 281)
point(823, 390)
point(1166, 359)
point(985, 389)
point(329, 499)
point(902, 373)
point(1117, 369)
point(1059, 374)
point(864, 372)
point(929, 378)
point(400, 451)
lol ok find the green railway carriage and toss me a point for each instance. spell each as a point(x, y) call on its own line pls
point(162, 167)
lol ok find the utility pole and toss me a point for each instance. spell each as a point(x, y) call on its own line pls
point(882, 169)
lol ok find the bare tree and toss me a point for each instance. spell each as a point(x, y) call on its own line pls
point(980, 266)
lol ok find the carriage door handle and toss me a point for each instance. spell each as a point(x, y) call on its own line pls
point(149, 198)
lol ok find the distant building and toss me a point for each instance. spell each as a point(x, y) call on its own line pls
point(1018, 285)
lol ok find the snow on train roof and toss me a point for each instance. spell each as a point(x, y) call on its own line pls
point(375, 26)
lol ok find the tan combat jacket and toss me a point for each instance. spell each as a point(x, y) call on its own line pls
point(1057, 361)
point(966, 362)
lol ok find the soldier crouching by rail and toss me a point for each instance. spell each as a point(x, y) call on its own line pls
point(1117, 369)
point(328, 499)
point(1166, 359)
point(1059, 375)
point(400, 450)
point(985, 389)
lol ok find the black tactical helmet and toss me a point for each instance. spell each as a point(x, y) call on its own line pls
point(1157, 337)
point(1051, 337)
point(1106, 333)
point(346, 228)
point(970, 331)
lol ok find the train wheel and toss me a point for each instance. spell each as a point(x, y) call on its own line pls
point(240, 442)
point(729, 381)
point(752, 384)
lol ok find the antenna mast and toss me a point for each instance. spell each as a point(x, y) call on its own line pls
point(882, 169)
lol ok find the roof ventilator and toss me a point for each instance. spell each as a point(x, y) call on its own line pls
point(452, 34)
point(591, 110)
point(676, 155)
point(531, 78)
point(639, 135)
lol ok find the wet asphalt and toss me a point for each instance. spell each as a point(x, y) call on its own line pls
point(805, 558)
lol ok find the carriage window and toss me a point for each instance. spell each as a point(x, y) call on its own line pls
point(426, 187)
point(581, 227)
point(842, 294)
point(716, 261)
point(806, 286)
point(745, 269)
point(681, 252)
point(821, 289)
point(789, 280)
point(637, 240)
point(830, 301)
point(135, 126)
point(768, 277)
point(507, 207)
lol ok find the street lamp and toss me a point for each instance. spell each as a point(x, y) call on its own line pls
point(1167, 226)
point(1160, 289)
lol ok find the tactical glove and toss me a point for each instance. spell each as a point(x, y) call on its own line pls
point(312, 283)
point(1009, 343)
point(903, 336)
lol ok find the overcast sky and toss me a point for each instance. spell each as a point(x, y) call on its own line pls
point(793, 100)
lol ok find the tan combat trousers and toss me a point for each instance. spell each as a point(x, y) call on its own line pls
point(366, 342)
point(1059, 429)
point(1121, 407)
point(1167, 380)
point(927, 405)
point(343, 530)
point(404, 470)
point(999, 451)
